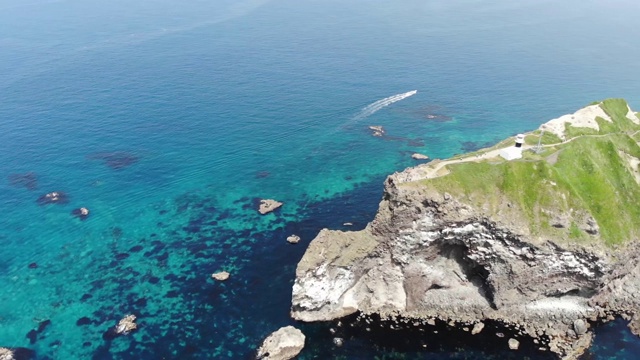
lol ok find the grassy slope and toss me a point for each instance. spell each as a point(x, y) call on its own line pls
point(589, 175)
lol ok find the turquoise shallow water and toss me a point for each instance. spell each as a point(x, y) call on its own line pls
point(205, 107)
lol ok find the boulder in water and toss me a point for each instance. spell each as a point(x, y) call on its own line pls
point(268, 205)
point(55, 197)
point(377, 130)
point(417, 156)
point(126, 325)
point(220, 276)
point(293, 239)
point(283, 344)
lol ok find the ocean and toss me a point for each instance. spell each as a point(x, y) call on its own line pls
point(170, 120)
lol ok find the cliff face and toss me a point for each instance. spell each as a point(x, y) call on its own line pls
point(463, 259)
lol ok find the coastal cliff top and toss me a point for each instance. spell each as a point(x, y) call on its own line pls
point(581, 185)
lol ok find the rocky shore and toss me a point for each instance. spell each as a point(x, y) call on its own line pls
point(434, 256)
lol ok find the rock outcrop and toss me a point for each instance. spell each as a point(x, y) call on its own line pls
point(283, 344)
point(430, 254)
point(293, 239)
point(126, 325)
point(268, 205)
point(220, 276)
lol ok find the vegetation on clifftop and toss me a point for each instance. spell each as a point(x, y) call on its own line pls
point(554, 193)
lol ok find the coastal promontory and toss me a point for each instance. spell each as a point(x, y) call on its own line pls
point(540, 236)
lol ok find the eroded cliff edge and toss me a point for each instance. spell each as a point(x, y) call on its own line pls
point(545, 244)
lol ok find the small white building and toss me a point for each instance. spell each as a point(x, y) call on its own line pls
point(511, 153)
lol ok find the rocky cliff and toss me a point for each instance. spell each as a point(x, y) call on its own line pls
point(528, 243)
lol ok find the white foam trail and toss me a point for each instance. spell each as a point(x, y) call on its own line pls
point(376, 106)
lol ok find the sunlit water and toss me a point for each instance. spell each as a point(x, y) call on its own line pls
point(169, 120)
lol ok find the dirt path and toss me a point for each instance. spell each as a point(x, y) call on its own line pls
point(432, 170)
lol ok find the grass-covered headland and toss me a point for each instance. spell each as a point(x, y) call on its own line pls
point(559, 191)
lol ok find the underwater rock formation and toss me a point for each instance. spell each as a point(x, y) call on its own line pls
point(55, 197)
point(27, 180)
point(116, 160)
point(81, 213)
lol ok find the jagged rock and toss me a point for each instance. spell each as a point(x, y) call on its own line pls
point(514, 344)
point(220, 276)
point(268, 205)
point(338, 341)
point(126, 325)
point(293, 239)
point(6, 354)
point(590, 226)
point(283, 344)
point(477, 328)
point(417, 156)
point(377, 130)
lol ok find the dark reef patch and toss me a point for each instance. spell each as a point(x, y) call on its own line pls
point(116, 160)
point(28, 180)
point(262, 174)
point(84, 321)
point(122, 256)
point(136, 248)
point(471, 146)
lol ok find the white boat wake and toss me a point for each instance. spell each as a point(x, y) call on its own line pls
point(378, 105)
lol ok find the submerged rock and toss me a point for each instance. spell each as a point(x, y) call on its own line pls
point(283, 344)
point(81, 213)
point(221, 276)
point(116, 160)
point(293, 239)
point(268, 205)
point(55, 197)
point(27, 180)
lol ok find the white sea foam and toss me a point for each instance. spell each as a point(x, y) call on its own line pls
point(378, 105)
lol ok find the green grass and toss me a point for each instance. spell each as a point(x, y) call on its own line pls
point(547, 138)
point(590, 173)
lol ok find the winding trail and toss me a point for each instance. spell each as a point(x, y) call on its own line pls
point(433, 169)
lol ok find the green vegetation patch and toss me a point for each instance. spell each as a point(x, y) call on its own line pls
point(589, 177)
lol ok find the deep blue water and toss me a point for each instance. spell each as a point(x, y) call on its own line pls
point(168, 119)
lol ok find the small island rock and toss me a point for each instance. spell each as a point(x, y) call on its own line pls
point(377, 130)
point(268, 205)
point(126, 325)
point(514, 344)
point(81, 213)
point(418, 156)
point(220, 276)
point(283, 344)
point(293, 239)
